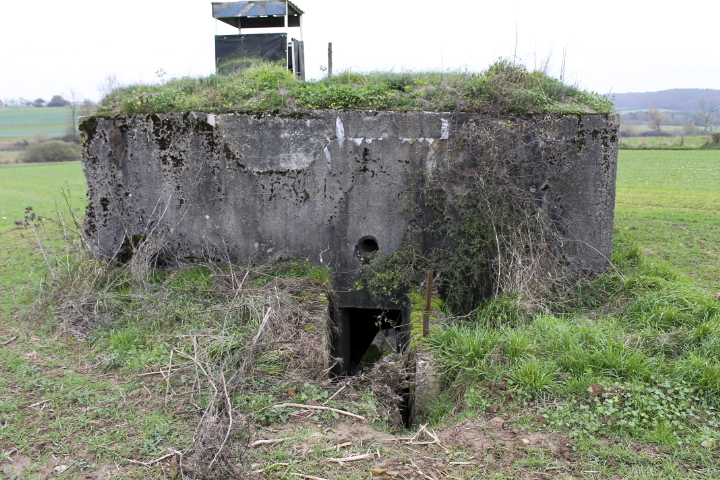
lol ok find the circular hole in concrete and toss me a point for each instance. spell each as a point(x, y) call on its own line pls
point(365, 247)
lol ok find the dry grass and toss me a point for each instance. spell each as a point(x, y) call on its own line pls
point(248, 320)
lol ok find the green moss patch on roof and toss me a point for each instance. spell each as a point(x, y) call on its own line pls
point(504, 88)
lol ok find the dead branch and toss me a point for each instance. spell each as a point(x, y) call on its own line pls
point(152, 462)
point(338, 446)
point(9, 341)
point(413, 440)
point(167, 377)
point(308, 477)
point(420, 471)
point(317, 407)
point(435, 440)
point(202, 369)
point(230, 422)
point(163, 373)
point(334, 394)
point(349, 459)
point(271, 441)
point(9, 453)
point(262, 470)
point(262, 327)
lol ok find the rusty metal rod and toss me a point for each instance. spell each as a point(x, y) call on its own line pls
point(329, 59)
point(428, 299)
point(428, 291)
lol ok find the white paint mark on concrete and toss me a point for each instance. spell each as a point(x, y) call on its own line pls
point(339, 131)
point(328, 157)
point(211, 119)
point(430, 165)
point(358, 141)
point(444, 129)
point(207, 217)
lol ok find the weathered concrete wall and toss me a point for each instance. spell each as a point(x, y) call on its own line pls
point(314, 183)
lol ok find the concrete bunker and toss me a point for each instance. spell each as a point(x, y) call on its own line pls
point(342, 188)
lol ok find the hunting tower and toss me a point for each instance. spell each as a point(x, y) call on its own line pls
point(264, 27)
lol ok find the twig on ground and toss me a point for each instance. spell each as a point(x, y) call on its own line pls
point(308, 477)
point(350, 459)
point(167, 377)
point(271, 441)
point(152, 462)
point(334, 394)
point(338, 446)
point(9, 341)
point(420, 471)
point(262, 470)
point(202, 369)
point(435, 439)
point(262, 327)
point(318, 407)
point(163, 373)
point(230, 421)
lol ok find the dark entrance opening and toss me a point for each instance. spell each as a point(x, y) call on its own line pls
point(365, 247)
point(358, 327)
point(365, 324)
point(352, 346)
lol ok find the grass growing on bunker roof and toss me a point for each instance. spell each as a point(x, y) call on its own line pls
point(504, 88)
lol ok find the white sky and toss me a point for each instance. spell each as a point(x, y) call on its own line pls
point(49, 47)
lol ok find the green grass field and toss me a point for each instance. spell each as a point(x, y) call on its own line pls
point(40, 187)
point(25, 122)
point(622, 382)
point(669, 201)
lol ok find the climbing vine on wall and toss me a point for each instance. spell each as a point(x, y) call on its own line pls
point(488, 219)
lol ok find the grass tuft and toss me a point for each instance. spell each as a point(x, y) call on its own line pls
point(505, 87)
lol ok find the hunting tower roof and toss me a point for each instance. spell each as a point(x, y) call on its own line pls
point(258, 14)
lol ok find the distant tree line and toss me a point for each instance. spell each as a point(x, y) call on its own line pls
point(86, 106)
point(701, 121)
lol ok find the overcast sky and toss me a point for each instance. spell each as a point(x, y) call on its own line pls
point(49, 47)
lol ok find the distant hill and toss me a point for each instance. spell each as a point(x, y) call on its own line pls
point(682, 99)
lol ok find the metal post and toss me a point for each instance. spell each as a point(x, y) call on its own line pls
point(329, 59)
